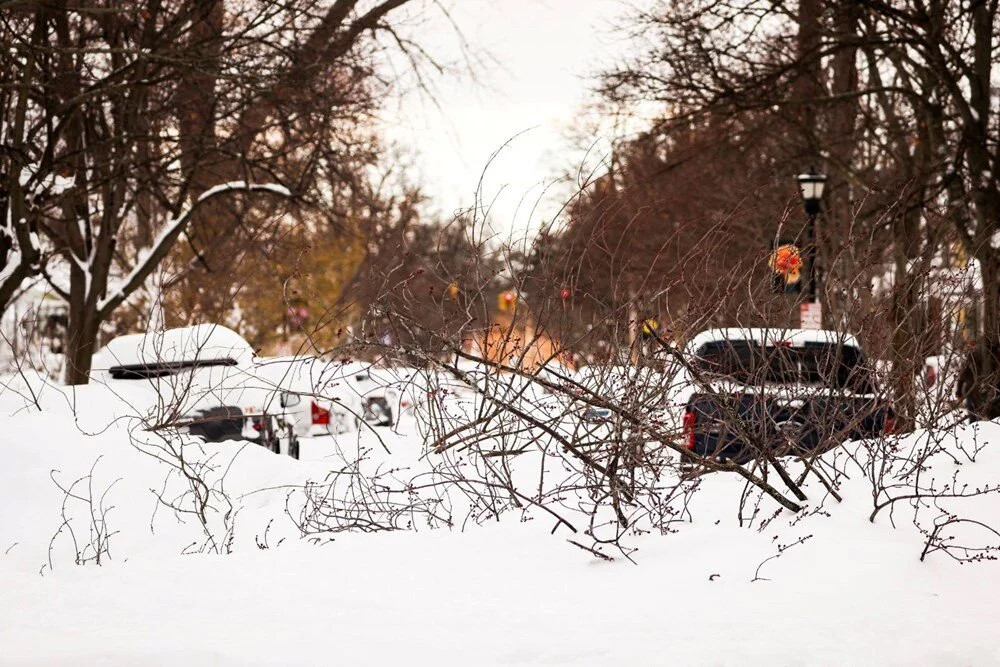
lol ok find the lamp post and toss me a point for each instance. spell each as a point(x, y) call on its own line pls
point(811, 188)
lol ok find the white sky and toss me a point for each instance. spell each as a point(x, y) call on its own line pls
point(536, 59)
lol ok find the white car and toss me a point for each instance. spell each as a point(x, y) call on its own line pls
point(194, 378)
point(322, 397)
point(315, 396)
point(406, 388)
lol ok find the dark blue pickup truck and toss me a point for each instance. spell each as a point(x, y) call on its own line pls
point(749, 393)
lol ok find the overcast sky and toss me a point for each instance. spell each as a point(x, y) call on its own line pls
point(536, 59)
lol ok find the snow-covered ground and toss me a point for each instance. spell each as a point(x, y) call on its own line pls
point(244, 588)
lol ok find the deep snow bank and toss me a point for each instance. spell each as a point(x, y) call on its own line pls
point(848, 591)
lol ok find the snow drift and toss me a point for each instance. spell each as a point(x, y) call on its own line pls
point(238, 583)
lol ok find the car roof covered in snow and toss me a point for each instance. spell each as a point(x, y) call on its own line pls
point(773, 335)
point(198, 343)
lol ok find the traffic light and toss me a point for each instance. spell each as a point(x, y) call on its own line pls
point(507, 301)
point(786, 263)
point(649, 327)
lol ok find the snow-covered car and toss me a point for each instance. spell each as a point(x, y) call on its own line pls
point(406, 387)
point(790, 390)
point(316, 399)
point(379, 400)
point(195, 378)
point(207, 379)
point(322, 397)
point(338, 395)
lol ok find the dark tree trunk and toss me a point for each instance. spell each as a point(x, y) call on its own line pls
point(83, 326)
point(841, 142)
point(906, 359)
point(991, 299)
point(81, 343)
point(990, 268)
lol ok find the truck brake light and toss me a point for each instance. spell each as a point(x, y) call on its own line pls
point(320, 416)
point(690, 420)
point(890, 426)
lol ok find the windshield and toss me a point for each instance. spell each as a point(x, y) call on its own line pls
point(828, 365)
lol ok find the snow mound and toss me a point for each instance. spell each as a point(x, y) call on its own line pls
point(238, 584)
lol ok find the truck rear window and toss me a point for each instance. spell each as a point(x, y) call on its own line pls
point(820, 364)
point(161, 369)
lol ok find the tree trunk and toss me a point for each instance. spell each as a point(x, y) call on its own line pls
point(81, 343)
point(808, 87)
point(81, 330)
point(906, 301)
point(841, 141)
point(989, 266)
point(905, 346)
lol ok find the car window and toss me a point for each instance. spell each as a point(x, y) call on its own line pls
point(814, 363)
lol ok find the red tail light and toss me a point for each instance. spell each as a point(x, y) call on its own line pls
point(690, 419)
point(320, 416)
point(890, 426)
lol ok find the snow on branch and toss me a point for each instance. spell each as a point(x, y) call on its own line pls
point(12, 263)
point(23, 247)
point(148, 258)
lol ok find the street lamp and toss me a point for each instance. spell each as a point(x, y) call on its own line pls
point(811, 187)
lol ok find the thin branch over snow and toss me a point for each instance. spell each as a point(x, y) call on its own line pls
point(148, 258)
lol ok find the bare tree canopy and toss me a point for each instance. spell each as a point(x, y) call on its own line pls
point(117, 122)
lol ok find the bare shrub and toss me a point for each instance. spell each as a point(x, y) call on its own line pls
point(93, 545)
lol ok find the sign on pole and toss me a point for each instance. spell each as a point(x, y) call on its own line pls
point(811, 315)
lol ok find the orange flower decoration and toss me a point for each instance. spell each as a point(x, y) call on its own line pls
point(787, 262)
